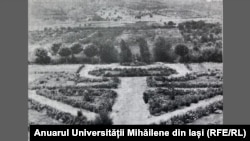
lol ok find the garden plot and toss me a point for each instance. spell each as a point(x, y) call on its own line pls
point(60, 106)
point(170, 94)
point(40, 118)
point(130, 94)
point(189, 112)
point(37, 71)
point(66, 92)
point(94, 100)
point(153, 94)
point(162, 101)
point(55, 114)
point(72, 78)
point(190, 80)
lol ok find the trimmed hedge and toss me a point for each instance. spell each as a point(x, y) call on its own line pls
point(133, 72)
point(62, 79)
point(191, 116)
point(162, 102)
point(151, 82)
point(63, 117)
point(90, 99)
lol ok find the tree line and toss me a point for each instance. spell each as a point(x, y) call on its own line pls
point(163, 51)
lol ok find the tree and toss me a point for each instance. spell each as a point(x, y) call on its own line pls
point(75, 49)
point(171, 24)
point(108, 53)
point(65, 53)
point(144, 51)
point(55, 48)
point(126, 54)
point(91, 51)
point(182, 51)
point(42, 56)
point(162, 50)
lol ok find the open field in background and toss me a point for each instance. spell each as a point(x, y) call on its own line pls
point(90, 13)
point(127, 105)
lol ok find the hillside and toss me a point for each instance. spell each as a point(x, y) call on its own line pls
point(47, 13)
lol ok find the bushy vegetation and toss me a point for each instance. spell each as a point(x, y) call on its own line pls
point(55, 48)
point(108, 53)
point(144, 51)
point(133, 72)
point(178, 91)
point(168, 100)
point(182, 51)
point(194, 115)
point(206, 39)
point(94, 100)
point(42, 56)
point(91, 51)
point(191, 80)
point(64, 118)
point(162, 51)
point(199, 41)
point(126, 54)
point(188, 76)
point(65, 53)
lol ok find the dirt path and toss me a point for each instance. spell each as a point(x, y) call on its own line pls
point(85, 71)
point(61, 106)
point(167, 116)
point(130, 107)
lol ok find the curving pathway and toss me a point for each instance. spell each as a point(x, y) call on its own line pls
point(61, 106)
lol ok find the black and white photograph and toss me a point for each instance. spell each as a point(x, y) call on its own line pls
point(125, 62)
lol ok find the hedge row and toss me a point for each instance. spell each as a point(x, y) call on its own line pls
point(188, 76)
point(133, 72)
point(67, 79)
point(151, 82)
point(192, 116)
point(114, 80)
point(161, 103)
point(63, 117)
point(90, 99)
point(174, 92)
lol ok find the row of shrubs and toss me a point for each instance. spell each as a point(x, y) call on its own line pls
point(52, 87)
point(63, 117)
point(62, 79)
point(92, 80)
point(133, 72)
point(103, 79)
point(134, 64)
point(188, 76)
point(152, 83)
point(160, 102)
point(192, 116)
point(93, 100)
point(171, 92)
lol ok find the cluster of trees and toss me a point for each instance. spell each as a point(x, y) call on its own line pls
point(126, 55)
point(163, 51)
point(200, 33)
point(97, 53)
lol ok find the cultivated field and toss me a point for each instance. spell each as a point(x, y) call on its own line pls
point(159, 93)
